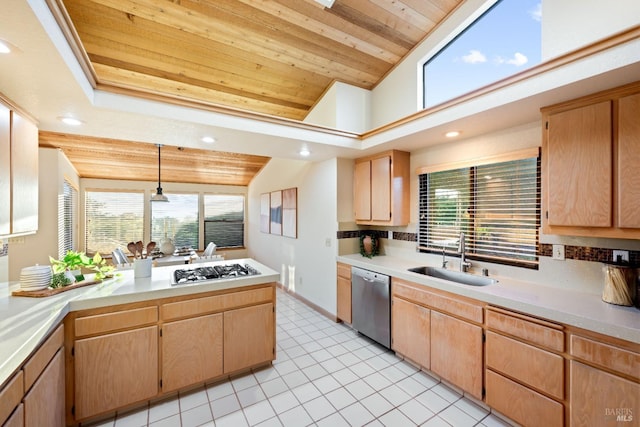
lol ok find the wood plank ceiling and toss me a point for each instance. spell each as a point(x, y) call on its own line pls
point(268, 57)
point(272, 58)
point(104, 158)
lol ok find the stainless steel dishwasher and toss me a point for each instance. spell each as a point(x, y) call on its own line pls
point(370, 307)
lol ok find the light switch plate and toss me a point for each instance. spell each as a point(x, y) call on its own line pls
point(624, 256)
point(558, 252)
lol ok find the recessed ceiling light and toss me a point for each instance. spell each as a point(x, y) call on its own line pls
point(208, 139)
point(326, 3)
point(305, 152)
point(4, 47)
point(70, 121)
point(452, 134)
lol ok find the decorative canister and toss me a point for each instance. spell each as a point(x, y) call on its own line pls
point(619, 284)
point(167, 247)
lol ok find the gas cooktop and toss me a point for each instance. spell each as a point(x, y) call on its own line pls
point(203, 274)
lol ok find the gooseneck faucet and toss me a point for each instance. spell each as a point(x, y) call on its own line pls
point(464, 264)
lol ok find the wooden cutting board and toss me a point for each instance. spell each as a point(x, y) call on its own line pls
point(47, 292)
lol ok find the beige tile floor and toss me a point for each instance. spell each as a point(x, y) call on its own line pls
point(325, 374)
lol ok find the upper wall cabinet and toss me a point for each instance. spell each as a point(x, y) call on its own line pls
point(590, 173)
point(381, 189)
point(18, 173)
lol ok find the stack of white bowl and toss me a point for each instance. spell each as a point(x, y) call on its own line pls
point(35, 278)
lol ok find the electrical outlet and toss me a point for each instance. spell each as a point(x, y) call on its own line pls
point(558, 252)
point(624, 256)
point(327, 242)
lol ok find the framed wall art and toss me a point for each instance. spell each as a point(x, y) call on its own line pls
point(275, 212)
point(290, 212)
point(265, 206)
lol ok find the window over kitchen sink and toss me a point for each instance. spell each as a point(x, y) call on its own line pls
point(495, 202)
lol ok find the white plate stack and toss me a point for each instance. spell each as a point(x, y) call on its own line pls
point(35, 278)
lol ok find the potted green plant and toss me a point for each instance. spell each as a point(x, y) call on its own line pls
point(73, 261)
point(100, 266)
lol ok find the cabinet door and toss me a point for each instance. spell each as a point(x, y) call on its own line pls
point(628, 162)
point(579, 167)
point(599, 398)
point(115, 370)
point(381, 189)
point(17, 418)
point(362, 191)
point(456, 352)
point(24, 174)
point(344, 299)
point(44, 403)
point(191, 351)
point(5, 170)
point(410, 331)
point(249, 337)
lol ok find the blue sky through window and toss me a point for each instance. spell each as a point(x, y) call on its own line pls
point(504, 41)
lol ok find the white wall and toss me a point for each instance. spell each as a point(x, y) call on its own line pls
point(308, 263)
point(571, 24)
point(54, 167)
point(343, 107)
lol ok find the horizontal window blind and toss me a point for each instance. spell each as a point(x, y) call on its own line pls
point(224, 220)
point(177, 220)
point(67, 219)
point(113, 218)
point(496, 205)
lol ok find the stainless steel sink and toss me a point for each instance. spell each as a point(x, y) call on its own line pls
point(454, 276)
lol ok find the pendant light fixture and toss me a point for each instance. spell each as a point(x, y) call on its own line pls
point(159, 197)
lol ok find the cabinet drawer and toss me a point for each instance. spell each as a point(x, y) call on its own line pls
point(535, 367)
point(455, 306)
point(108, 322)
point(521, 404)
point(212, 304)
point(605, 355)
point(539, 332)
point(11, 395)
point(36, 364)
point(344, 270)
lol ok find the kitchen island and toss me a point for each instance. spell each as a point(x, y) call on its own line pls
point(161, 325)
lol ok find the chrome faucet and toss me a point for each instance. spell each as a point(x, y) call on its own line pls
point(464, 264)
point(444, 259)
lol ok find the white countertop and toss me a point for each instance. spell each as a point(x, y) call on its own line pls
point(26, 322)
point(582, 310)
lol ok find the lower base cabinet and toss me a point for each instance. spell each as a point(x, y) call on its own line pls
point(17, 418)
point(456, 352)
point(115, 370)
point(44, 403)
point(191, 351)
point(249, 336)
point(599, 398)
point(411, 331)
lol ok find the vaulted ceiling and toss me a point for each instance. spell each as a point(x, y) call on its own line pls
point(269, 57)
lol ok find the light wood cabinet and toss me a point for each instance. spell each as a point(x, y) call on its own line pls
point(601, 398)
point(115, 370)
point(604, 380)
point(453, 333)
point(18, 173)
point(11, 396)
point(191, 351)
point(590, 178)
point(381, 189)
point(525, 368)
point(456, 352)
point(44, 403)
point(249, 337)
point(343, 283)
point(411, 331)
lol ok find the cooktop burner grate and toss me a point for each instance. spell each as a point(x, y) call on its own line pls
point(201, 274)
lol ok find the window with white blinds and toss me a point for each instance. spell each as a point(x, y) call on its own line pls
point(67, 219)
point(177, 220)
point(224, 220)
point(496, 205)
point(113, 219)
